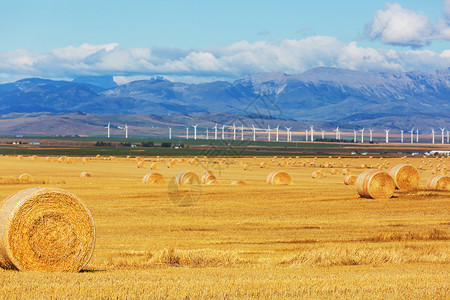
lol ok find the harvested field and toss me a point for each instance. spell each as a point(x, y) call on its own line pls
point(308, 239)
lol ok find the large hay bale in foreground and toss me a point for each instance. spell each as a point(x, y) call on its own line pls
point(45, 229)
point(350, 180)
point(438, 182)
point(278, 178)
point(406, 177)
point(375, 184)
point(153, 178)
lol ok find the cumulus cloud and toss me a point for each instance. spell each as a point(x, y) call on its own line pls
point(396, 25)
point(227, 62)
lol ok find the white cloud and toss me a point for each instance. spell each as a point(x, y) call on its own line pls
point(399, 26)
point(213, 63)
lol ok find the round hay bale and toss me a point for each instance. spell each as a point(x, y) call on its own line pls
point(282, 164)
point(34, 158)
point(137, 158)
point(85, 174)
point(19, 157)
point(263, 165)
point(406, 177)
point(317, 174)
point(69, 160)
point(278, 178)
point(247, 167)
point(346, 171)
point(170, 164)
point(25, 177)
point(238, 182)
point(194, 161)
point(153, 178)
point(207, 177)
point(438, 182)
point(141, 164)
point(45, 229)
point(350, 180)
point(222, 162)
point(85, 160)
point(363, 166)
point(334, 171)
point(187, 177)
point(154, 166)
point(375, 184)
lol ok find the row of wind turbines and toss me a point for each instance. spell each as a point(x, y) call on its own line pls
point(309, 134)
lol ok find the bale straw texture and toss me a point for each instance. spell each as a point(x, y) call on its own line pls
point(406, 177)
point(45, 229)
point(350, 180)
point(438, 182)
point(278, 178)
point(375, 184)
point(153, 178)
point(187, 178)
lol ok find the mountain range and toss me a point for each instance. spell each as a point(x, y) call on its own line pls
point(326, 96)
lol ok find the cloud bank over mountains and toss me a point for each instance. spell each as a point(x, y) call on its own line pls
point(394, 25)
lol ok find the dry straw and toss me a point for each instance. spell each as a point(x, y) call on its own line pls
point(350, 180)
point(153, 178)
point(438, 182)
point(278, 178)
point(25, 177)
point(375, 184)
point(45, 229)
point(85, 174)
point(238, 182)
point(406, 177)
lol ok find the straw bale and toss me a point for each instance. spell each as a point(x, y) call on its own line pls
point(140, 164)
point(85, 160)
point(45, 229)
point(438, 182)
point(346, 171)
point(153, 178)
point(334, 171)
point(187, 177)
point(25, 177)
point(34, 158)
point(350, 180)
point(375, 184)
point(207, 177)
point(85, 174)
point(278, 178)
point(317, 174)
point(247, 167)
point(406, 177)
point(154, 166)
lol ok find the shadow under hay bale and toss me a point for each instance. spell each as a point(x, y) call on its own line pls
point(45, 229)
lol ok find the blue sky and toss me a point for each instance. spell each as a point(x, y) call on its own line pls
point(197, 41)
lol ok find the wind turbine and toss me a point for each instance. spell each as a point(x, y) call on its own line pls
point(387, 135)
point(354, 136)
point(362, 135)
point(417, 135)
point(412, 135)
point(254, 132)
point(323, 134)
point(401, 136)
point(170, 133)
point(337, 133)
point(277, 132)
point(312, 133)
point(306, 134)
point(223, 132)
point(187, 132)
point(442, 129)
point(448, 137)
point(288, 133)
point(370, 135)
point(432, 135)
point(234, 132)
point(207, 133)
point(195, 131)
point(109, 129)
point(126, 131)
point(242, 132)
point(215, 132)
point(268, 133)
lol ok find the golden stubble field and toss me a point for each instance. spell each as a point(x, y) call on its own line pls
point(315, 238)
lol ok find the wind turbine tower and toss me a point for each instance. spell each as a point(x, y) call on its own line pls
point(354, 136)
point(207, 133)
point(412, 135)
point(109, 129)
point(442, 135)
point(288, 134)
point(362, 135)
point(234, 132)
point(195, 131)
point(387, 135)
point(215, 132)
point(268, 133)
point(370, 135)
point(187, 132)
point(277, 132)
point(417, 135)
point(312, 133)
point(323, 134)
point(242, 132)
point(126, 131)
point(170, 133)
point(448, 137)
point(306, 134)
point(254, 132)
point(432, 135)
point(337, 133)
point(223, 132)
point(401, 136)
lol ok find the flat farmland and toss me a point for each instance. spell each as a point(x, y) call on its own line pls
point(314, 238)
